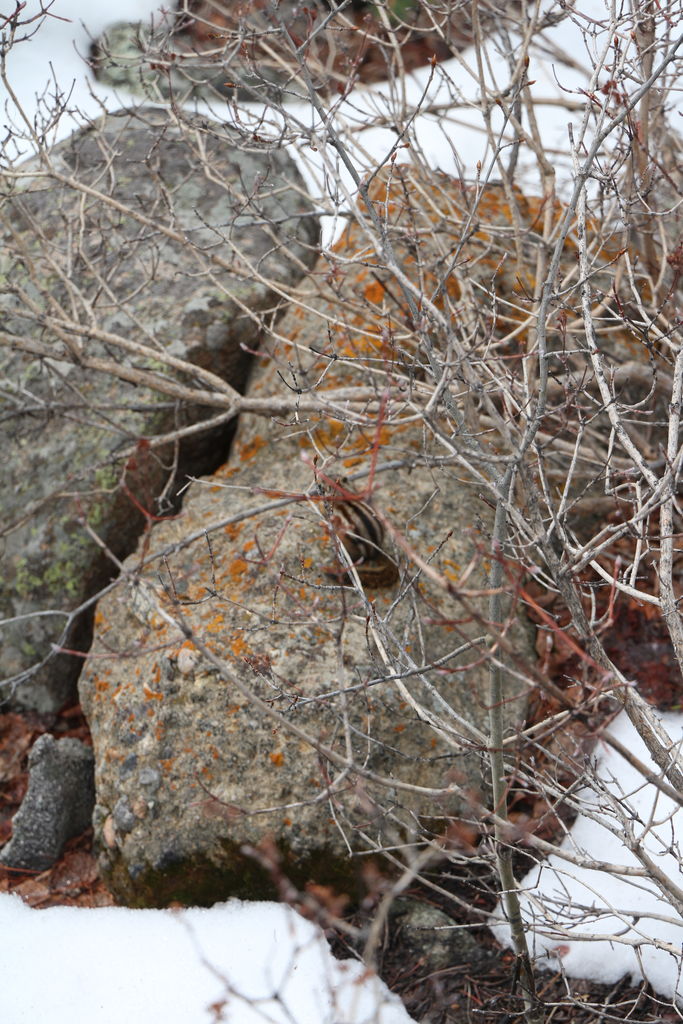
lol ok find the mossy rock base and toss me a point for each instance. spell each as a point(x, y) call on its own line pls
point(202, 881)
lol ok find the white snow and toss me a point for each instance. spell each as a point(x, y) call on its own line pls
point(569, 908)
point(47, 60)
point(258, 963)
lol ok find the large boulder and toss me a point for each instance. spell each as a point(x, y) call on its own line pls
point(139, 239)
point(246, 687)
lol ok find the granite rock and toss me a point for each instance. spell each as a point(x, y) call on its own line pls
point(279, 702)
point(137, 229)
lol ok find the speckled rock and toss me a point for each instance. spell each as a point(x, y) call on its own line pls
point(75, 456)
point(57, 806)
point(360, 677)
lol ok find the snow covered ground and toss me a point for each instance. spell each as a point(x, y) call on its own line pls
point(47, 60)
point(267, 964)
point(570, 910)
point(237, 963)
point(261, 962)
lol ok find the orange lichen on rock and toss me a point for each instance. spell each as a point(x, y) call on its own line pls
point(249, 450)
point(375, 292)
point(239, 568)
point(472, 251)
point(239, 646)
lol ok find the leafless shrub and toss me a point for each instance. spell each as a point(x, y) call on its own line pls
point(540, 351)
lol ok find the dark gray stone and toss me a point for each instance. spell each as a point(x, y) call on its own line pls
point(57, 806)
point(124, 818)
point(428, 934)
point(78, 267)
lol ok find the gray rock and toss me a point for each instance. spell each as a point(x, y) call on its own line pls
point(136, 58)
point(58, 804)
point(429, 935)
point(367, 679)
point(124, 819)
point(81, 269)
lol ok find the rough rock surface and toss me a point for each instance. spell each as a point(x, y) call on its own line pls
point(58, 804)
point(161, 259)
point(380, 689)
point(430, 937)
point(246, 50)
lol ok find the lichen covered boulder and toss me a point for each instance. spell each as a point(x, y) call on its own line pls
point(128, 246)
point(271, 679)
